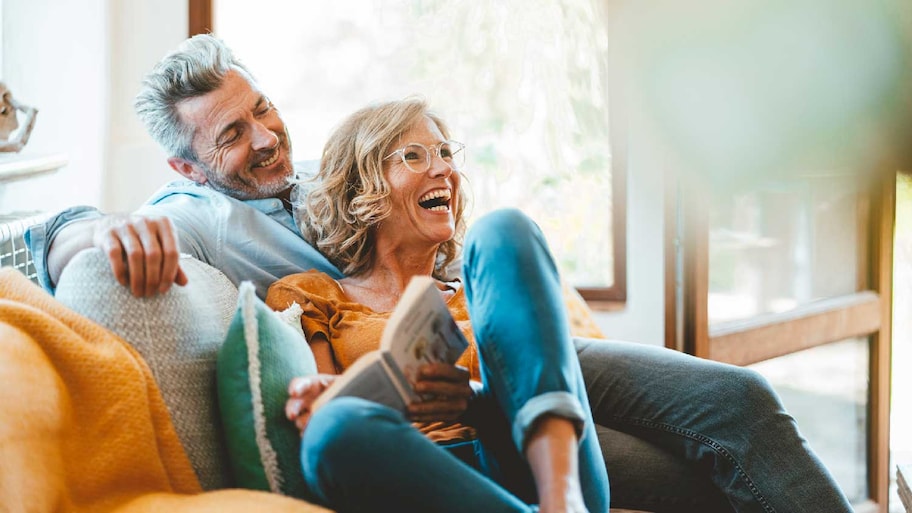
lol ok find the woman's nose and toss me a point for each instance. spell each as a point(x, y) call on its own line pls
point(439, 167)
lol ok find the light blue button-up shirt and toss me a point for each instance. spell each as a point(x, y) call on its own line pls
point(254, 240)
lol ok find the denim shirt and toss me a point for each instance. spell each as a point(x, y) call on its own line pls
point(252, 240)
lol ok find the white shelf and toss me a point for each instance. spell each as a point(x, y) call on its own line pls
point(19, 166)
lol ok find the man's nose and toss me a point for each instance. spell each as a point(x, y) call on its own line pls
point(263, 137)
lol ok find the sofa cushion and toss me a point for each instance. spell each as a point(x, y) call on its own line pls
point(261, 353)
point(579, 315)
point(178, 334)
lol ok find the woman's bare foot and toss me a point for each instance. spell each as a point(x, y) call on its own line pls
point(552, 453)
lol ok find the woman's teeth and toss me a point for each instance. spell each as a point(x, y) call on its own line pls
point(438, 200)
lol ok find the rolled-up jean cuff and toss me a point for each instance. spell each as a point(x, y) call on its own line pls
point(561, 404)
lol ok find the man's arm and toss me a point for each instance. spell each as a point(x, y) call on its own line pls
point(143, 251)
point(38, 238)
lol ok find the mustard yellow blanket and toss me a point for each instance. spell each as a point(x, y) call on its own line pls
point(83, 427)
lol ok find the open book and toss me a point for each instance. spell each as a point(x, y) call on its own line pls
point(420, 330)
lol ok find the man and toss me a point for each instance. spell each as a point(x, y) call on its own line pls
point(232, 211)
point(230, 144)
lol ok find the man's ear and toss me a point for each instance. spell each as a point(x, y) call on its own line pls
point(187, 169)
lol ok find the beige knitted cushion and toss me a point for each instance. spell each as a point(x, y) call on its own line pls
point(178, 334)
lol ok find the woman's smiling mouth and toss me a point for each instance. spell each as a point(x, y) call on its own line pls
point(437, 200)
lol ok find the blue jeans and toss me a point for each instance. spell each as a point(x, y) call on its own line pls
point(724, 422)
point(359, 456)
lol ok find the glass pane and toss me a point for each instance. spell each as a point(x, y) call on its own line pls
point(826, 390)
point(782, 245)
point(523, 84)
point(901, 407)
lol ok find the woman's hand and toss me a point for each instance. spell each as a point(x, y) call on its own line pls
point(446, 393)
point(302, 392)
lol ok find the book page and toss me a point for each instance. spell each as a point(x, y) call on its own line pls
point(421, 329)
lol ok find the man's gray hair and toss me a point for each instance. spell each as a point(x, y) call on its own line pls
point(197, 67)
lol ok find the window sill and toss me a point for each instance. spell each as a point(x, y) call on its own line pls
point(606, 306)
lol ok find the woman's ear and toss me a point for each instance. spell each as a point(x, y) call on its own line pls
point(188, 170)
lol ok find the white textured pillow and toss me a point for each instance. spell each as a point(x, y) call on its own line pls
point(178, 334)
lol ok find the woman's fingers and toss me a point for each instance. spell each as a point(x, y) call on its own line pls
point(447, 409)
point(302, 392)
point(445, 391)
point(443, 380)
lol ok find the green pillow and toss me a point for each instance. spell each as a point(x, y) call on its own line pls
point(261, 353)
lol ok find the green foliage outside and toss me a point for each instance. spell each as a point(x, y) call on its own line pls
point(522, 83)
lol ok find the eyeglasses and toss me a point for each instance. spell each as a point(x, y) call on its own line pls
point(417, 157)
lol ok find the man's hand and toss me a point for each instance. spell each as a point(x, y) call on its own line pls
point(143, 252)
point(302, 392)
point(446, 391)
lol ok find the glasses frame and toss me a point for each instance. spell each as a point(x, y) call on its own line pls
point(460, 147)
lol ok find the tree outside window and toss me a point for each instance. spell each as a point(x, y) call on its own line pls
point(523, 83)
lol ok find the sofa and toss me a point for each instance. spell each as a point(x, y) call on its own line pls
point(172, 345)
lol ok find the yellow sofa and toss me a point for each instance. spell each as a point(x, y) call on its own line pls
point(83, 427)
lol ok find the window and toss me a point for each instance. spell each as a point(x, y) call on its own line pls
point(793, 276)
point(524, 84)
point(783, 244)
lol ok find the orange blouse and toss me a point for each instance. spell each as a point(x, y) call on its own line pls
point(353, 329)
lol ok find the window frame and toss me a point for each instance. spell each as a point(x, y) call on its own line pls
point(599, 298)
point(866, 313)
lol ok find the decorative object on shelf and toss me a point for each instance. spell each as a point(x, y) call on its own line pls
point(9, 122)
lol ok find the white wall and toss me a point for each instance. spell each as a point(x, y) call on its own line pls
point(80, 64)
point(142, 33)
point(642, 318)
point(55, 59)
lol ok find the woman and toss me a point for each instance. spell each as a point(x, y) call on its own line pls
point(383, 209)
point(383, 219)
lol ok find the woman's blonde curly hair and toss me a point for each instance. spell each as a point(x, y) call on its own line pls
point(337, 208)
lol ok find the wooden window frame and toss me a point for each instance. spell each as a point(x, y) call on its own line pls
point(200, 21)
point(867, 313)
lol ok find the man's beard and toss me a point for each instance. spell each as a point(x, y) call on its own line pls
point(240, 188)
